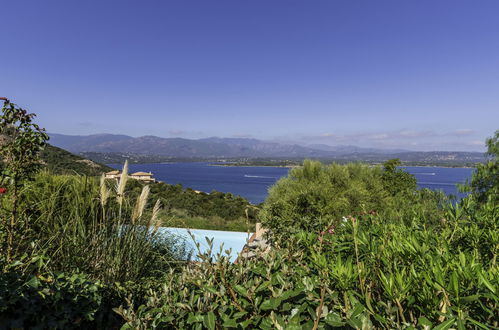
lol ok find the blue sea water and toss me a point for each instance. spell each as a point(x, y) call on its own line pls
point(253, 182)
point(441, 178)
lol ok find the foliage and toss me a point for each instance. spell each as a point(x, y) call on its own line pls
point(353, 247)
point(192, 209)
point(62, 301)
point(396, 180)
point(367, 271)
point(484, 183)
point(22, 140)
point(85, 239)
point(59, 161)
point(314, 195)
point(181, 219)
point(20, 144)
point(78, 225)
point(317, 195)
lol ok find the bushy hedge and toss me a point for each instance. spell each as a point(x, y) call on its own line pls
point(318, 195)
point(63, 302)
point(367, 271)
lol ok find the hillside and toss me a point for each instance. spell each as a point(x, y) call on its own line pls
point(60, 161)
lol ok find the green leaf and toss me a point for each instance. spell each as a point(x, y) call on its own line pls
point(209, 320)
point(460, 325)
point(478, 324)
point(455, 284)
point(271, 303)
point(445, 325)
point(424, 322)
point(471, 298)
point(334, 320)
point(193, 318)
point(33, 282)
point(241, 290)
point(229, 323)
point(488, 284)
point(357, 310)
point(266, 324)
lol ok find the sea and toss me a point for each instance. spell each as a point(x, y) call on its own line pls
point(253, 182)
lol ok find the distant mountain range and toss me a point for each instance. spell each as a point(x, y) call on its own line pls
point(230, 148)
point(208, 147)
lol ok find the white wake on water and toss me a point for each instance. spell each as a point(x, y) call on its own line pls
point(258, 176)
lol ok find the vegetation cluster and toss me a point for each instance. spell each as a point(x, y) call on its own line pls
point(353, 246)
point(188, 208)
point(60, 161)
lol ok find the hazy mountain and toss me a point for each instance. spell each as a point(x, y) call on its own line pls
point(107, 147)
point(349, 149)
point(77, 143)
point(179, 147)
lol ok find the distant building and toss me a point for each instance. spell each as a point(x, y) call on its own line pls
point(113, 175)
point(142, 176)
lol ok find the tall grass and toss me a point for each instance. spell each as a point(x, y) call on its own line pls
point(83, 225)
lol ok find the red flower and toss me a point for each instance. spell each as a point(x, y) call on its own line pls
point(3, 190)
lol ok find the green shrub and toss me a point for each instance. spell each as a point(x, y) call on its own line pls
point(365, 272)
point(484, 183)
point(314, 195)
point(62, 301)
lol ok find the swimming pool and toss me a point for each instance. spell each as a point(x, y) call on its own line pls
point(231, 240)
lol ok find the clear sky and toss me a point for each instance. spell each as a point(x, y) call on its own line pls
point(421, 75)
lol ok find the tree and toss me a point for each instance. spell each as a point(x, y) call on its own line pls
point(484, 184)
point(316, 195)
point(21, 141)
point(396, 180)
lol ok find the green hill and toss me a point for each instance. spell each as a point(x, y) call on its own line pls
point(60, 161)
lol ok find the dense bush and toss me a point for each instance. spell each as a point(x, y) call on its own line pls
point(395, 180)
point(314, 195)
point(317, 195)
point(63, 301)
point(366, 272)
point(484, 184)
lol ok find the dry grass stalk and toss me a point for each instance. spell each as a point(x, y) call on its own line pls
point(140, 204)
point(120, 188)
point(104, 192)
point(154, 221)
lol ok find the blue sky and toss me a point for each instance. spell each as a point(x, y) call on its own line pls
point(421, 75)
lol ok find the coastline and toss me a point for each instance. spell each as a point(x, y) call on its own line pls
point(294, 166)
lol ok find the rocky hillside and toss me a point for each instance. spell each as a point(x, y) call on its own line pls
point(60, 161)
